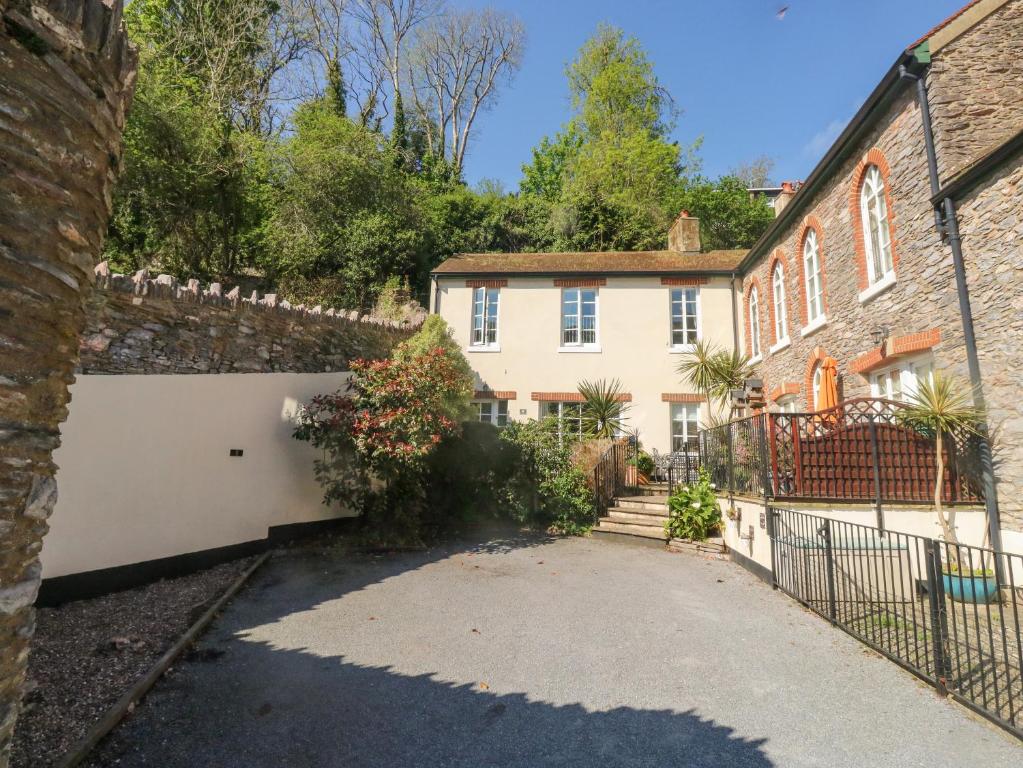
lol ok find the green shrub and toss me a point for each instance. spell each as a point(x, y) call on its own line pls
point(693, 511)
point(644, 462)
point(545, 489)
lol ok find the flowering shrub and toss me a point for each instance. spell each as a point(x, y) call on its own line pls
point(377, 434)
point(693, 511)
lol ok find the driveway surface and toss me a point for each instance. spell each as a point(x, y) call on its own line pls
point(530, 652)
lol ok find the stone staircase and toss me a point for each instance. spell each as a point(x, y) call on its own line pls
point(641, 516)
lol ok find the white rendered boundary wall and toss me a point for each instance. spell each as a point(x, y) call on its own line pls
point(145, 470)
point(970, 525)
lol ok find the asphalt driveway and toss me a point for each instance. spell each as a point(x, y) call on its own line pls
point(530, 652)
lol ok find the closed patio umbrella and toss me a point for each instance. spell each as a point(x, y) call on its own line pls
point(829, 384)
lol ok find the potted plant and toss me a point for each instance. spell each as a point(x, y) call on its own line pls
point(937, 409)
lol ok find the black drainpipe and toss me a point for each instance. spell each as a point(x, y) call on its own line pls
point(948, 226)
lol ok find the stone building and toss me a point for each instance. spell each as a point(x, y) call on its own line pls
point(861, 265)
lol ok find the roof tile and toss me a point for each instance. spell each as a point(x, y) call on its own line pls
point(591, 262)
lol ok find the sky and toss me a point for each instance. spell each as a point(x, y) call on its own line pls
point(748, 83)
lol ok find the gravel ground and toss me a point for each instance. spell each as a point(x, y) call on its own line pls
point(86, 654)
point(523, 653)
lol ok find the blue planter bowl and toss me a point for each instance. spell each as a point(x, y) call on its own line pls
point(970, 589)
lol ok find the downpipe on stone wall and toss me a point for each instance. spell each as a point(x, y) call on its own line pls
point(947, 224)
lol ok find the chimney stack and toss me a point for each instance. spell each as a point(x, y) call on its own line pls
point(684, 235)
point(788, 191)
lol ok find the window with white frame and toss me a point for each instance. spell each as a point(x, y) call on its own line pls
point(754, 323)
point(902, 380)
point(812, 271)
point(492, 412)
point(787, 404)
point(685, 427)
point(579, 317)
point(781, 317)
point(685, 316)
point(818, 377)
point(876, 235)
point(569, 416)
point(484, 316)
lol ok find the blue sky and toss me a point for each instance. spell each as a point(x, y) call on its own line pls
point(746, 82)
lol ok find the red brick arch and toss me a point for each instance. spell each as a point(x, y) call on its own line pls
point(811, 222)
point(753, 283)
point(874, 156)
point(778, 257)
point(816, 357)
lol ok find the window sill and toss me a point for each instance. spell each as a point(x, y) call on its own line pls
point(780, 345)
point(681, 349)
point(483, 348)
point(755, 360)
point(581, 348)
point(815, 326)
point(877, 288)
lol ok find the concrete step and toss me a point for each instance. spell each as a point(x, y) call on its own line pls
point(629, 516)
point(632, 529)
point(657, 504)
point(652, 489)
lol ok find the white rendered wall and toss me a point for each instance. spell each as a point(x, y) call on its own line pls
point(145, 471)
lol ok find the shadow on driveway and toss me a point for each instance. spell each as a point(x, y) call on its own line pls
point(264, 690)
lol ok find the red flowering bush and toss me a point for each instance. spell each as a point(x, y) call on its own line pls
point(377, 433)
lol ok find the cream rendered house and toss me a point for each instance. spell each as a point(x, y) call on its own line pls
point(535, 325)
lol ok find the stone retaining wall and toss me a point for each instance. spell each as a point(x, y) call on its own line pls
point(142, 325)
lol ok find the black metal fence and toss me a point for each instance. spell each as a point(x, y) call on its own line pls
point(952, 614)
point(736, 456)
point(682, 468)
point(609, 475)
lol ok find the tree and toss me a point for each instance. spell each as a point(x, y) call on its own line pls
point(343, 207)
point(715, 372)
point(611, 178)
point(603, 412)
point(389, 24)
point(459, 60)
point(728, 217)
point(941, 408)
point(755, 173)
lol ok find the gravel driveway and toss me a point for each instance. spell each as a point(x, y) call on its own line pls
point(530, 652)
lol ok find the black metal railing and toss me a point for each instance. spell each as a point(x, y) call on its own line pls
point(609, 475)
point(736, 456)
point(860, 450)
point(959, 630)
point(681, 468)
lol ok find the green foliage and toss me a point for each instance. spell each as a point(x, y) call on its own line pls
point(693, 511)
point(342, 207)
point(603, 409)
point(378, 436)
point(714, 371)
point(643, 462)
point(546, 489)
point(435, 336)
point(728, 217)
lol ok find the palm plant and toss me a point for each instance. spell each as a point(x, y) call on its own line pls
point(715, 372)
point(603, 408)
point(937, 409)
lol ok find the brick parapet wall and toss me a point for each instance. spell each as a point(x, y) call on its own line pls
point(142, 325)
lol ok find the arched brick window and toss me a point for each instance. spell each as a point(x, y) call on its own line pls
point(870, 206)
point(754, 335)
point(811, 270)
point(778, 310)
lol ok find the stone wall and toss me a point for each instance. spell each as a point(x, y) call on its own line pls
point(921, 308)
point(991, 225)
point(976, 89)
point(143, 325)
point(66, 76)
